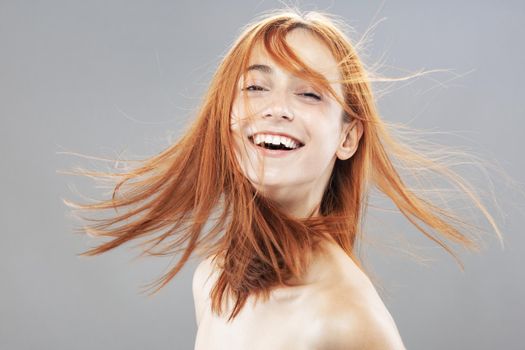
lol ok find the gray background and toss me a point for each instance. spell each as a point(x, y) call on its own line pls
point(110, 78)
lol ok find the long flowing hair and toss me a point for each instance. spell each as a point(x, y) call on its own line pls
point(169, 198)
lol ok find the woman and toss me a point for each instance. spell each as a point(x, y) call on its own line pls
point(286, 146)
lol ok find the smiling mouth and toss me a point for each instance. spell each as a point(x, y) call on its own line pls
point(271, 146)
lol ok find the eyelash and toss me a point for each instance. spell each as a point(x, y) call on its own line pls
point(308, 94)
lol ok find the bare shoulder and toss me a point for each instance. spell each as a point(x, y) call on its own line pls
point(355, 320)
point(202, 272)
point(201, 286)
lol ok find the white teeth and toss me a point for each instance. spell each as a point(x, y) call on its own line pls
point(258, 139)
point(276, 140)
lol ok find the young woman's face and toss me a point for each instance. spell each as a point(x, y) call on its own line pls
point(284, 105)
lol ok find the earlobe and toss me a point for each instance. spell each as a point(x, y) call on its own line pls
point(350, 139)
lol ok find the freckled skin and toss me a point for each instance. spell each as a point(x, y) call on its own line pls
point(285, 103)
point(293, 318)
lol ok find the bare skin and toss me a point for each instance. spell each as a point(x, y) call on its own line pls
point(337, 308)
point(283, 103)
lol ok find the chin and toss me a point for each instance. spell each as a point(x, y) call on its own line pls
point(275, 189)
point(271, 181)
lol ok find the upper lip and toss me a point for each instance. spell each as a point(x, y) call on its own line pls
point(276, 133)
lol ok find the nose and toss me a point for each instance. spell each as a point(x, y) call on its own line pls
point(279, 107)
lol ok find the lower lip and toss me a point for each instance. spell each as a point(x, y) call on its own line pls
point(275, 153)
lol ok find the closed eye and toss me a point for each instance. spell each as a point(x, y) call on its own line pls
point(254, 88)
point(312, 95)
point(259, 88)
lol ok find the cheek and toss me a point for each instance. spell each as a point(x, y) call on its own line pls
point(326, 142)
point(236, 122)
point(245, 108)
point(236, 132)
point(237, 128)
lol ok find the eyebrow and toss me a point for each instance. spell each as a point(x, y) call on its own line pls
point(265, 69)
point(260, 67)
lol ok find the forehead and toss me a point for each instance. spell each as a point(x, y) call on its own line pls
point(309, 48)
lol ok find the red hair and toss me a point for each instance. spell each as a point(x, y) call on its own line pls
point(168, 198)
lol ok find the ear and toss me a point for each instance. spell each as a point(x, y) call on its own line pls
point(350, 137)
